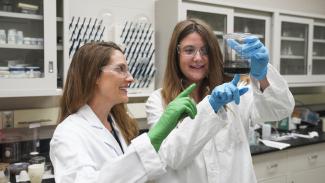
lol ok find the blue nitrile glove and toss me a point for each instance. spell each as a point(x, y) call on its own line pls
point(177, 109)
point(254, 49)
point(226, 93)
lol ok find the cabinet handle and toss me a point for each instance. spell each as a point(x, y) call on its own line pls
point(313, 157)
point(50, 66)
point(272, 166)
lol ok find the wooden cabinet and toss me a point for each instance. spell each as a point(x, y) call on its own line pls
point(296, 165)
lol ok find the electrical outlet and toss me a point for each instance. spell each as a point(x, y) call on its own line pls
point(7, 119)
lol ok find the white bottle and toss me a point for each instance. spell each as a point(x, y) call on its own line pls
point(36, 172)
point(266, 131)
point(3, 36)
point(3, 178)
point(12, 33)
point(23, 177)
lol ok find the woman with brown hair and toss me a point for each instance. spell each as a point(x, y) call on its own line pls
point(213, 146)
point(96, 140)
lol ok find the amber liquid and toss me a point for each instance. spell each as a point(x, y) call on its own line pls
point(236, 67)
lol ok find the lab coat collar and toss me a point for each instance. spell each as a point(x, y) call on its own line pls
point(89, 115)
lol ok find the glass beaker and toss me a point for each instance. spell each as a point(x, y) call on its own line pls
point(234, 61)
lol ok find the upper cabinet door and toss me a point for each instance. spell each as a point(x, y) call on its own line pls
point(220, 19)
point(300, 45)
point(318, 55)
point(28, 48)
point(254, 23)
point(294, 48)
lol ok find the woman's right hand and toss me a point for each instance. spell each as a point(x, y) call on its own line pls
point(181, 107)
point(226, 93)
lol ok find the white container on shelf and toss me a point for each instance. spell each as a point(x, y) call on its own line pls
point(27, 40)
point(17, 72)
point(33, 41)
point(12, 34)
point(33, 72)
point(4, 72)
point(40, 41)
point(3, 36)
point(20, 37)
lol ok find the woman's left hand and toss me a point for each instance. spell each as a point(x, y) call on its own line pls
point(254, 49)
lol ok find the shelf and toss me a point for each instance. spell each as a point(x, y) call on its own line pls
point(29, 93)
point(22, 46)
point(319, 40)
point(20, 15)
point(292, 39)
point(318, 57)
point(292, 57)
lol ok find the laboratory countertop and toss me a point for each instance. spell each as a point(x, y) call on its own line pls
point(294, 143)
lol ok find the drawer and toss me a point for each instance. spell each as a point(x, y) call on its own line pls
point(270, 164)
point(307, 157)
point(43, 117)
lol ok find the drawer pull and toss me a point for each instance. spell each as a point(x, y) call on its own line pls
point(272, 166)
point(313, 157)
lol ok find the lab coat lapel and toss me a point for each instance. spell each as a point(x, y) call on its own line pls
point(88, 114)
point(119, 134)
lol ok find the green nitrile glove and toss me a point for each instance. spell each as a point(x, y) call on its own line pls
point(177, 109)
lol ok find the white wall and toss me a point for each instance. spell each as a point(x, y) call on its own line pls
point(310, 6)
point(120, 11)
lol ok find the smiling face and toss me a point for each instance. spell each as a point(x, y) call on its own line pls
point(114, 79)
point(193, 58)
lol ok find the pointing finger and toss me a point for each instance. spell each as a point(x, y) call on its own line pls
point(235, 80)
point(187, 91)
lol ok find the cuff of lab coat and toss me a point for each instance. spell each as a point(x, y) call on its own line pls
point(221, 114)
point(277, 83)
point(149, 157)
point(276, 97)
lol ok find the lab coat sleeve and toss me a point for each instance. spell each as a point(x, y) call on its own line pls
point(185, 142)
point(154, 108)
point(73, 164)
point(275, 102)
point(139, 164)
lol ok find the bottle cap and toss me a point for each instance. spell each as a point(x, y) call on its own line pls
point(34, 153)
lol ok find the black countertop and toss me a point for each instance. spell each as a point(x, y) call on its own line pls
point(262, 149)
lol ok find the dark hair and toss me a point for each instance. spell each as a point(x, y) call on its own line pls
point(173, 78)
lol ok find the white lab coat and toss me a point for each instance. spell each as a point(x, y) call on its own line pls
point(213, 147)
point(82, 150)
